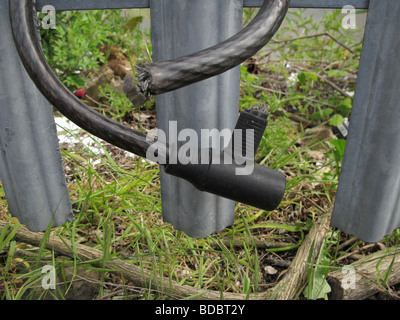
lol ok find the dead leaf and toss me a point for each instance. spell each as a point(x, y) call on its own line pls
point(270, 270)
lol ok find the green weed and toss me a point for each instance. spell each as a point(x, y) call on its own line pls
point(73, 48)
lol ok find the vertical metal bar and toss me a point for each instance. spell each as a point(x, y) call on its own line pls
point(181, 27)
point(30, 159)
point(367, 203)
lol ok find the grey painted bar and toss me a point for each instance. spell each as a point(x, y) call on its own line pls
point(209, 104)
point(62, 5)
point(126, 4)
point(326, 4)
point(367, 203)
point(31, 168)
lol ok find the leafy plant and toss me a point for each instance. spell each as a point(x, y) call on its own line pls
point(119, 103)
point(321, 59)
point(337, 153)
point(249, 86)
point(7, 235)
point(73, 48)
point(317, 285)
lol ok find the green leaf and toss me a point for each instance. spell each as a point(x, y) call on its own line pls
point(7, 234)
point(344, 107)
point(322, 113)
point(302, 78)
point(318, 287)
point(246, 284)
point(340, 146)
point(336, 120)
point(133, 23)
point(312, 76)
point(337, 73)
point(346, 103)
point(11, 252)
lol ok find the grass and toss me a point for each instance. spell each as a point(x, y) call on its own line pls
point(117, 202)
point(118, 210)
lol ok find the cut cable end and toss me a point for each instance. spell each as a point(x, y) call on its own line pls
point(143, 81)
point(134, 92)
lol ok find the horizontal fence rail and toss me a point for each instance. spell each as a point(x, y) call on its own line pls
point(324, 4)
point(127, 4)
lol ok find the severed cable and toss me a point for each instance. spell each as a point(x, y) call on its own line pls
point(264, 188)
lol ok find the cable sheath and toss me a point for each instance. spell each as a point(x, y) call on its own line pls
point(22, 18)
point(161, 77)
point(154, 78)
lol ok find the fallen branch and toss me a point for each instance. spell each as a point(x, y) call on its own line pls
point(365, 277)
point(286, 288)
point(259, 244)
point(296, 275)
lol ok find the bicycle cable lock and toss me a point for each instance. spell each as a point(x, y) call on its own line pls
point(263, 188)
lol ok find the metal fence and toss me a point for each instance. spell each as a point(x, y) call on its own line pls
point(367, 203)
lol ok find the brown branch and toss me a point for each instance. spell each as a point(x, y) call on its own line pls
point(326, 34)
point(286, 288)
point(367, 280)
point(259, 244)
point(106, 107)
point(296, 276)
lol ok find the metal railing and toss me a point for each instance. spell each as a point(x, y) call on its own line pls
point(367, 203)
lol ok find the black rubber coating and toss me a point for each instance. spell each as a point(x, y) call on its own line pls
point(31, 54)
point(161, 77)
point(263, 188)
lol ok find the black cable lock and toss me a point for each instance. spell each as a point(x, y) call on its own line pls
point(263, 188)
